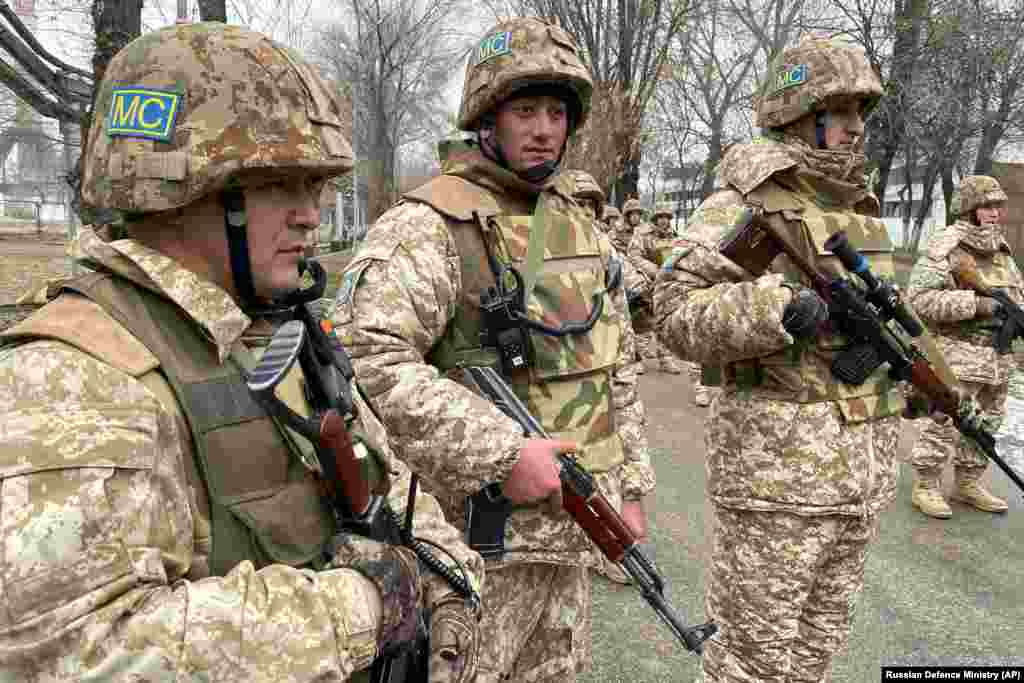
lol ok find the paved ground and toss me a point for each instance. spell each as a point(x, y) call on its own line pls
point(938, 592)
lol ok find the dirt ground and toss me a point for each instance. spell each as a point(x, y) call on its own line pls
point(26, 260)
point(938, 592)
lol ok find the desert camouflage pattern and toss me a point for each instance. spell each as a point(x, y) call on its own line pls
point(782, 589)
point(247, 104)
point(535, 637)
point(516, 53)
point(610, 212)
point(801, 80)
point(712, 311)
point(620, 235)
point(977, 191)
point(662, 210)
point(949, 310)
point(940, 440)
point(107, 533)
point(402, 310)
point(585, 187)
point(648, 248)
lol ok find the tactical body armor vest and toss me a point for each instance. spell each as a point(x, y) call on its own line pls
point(802, 373)
point(974, 338)
point(265, 503)
point(568, 386)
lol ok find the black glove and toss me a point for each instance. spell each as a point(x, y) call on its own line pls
point(805, 313)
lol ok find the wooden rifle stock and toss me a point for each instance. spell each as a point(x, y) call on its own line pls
point(349, 477)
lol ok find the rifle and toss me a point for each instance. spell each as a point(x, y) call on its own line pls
point(1011, 315)
point(864, 317)
point(587, 505)
point(357, 507)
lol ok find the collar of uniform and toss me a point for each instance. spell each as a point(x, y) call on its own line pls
point(470, 163)
point(203, 301)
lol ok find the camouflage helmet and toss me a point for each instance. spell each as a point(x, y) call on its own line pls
point(803, 78)
point(518, 53)
point(610, 212)
point(977, 191)
point(630, 206)
point(187, 110)
point(585, 187)
point(662, 210)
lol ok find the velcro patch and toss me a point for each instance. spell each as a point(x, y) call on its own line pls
point(142, 113)
point(789, 75)
point(493, 46)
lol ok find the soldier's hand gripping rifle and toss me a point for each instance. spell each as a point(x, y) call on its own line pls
point(966, 275)
point(587, 505)
point(864, 316)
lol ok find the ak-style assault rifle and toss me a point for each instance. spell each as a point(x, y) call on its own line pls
point(358, 508)
point(864, 316)
point(587, 505)
point(1010, 315)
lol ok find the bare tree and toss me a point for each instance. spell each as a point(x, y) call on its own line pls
point(396, 56)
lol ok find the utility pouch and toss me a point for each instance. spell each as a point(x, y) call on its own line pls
point(854, 365)
point(487, 512)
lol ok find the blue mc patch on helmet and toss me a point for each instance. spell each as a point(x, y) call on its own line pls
point(142, 113)
point(494, 45)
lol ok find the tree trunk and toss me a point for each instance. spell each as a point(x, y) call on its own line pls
point(213, 10)
point(947, 191)
point(115, 24)
point(888, 137)
point(711, 163)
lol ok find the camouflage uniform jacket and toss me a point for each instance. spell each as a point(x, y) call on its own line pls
point(402, 292)
point(105, 574)
point(646, 247)
point(949, 310)
point(711, 310)
point(621, 236)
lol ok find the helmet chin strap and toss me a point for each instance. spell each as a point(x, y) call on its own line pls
point(236, 227)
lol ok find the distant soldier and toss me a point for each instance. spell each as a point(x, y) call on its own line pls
point(587, 194)
point(632, 215)
point(648, 249)
point(964, 323)
point(612, 219)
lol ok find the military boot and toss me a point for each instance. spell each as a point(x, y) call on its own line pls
point(927, 494)
point(970, 491)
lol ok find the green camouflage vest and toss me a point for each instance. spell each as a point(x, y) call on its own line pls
point(265, 503)
point(803, 375)
point(569, 387)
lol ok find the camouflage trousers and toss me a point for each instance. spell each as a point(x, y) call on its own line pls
point(536, 624)
point(940, 439)
point(649, 347)
point(782, 588)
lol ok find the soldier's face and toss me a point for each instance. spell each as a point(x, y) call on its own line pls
point(281, 216)
point(988, 214)
point(844, 123)
point(531, 130)
point(613, 223)
point(662, 222)
point(633, 218)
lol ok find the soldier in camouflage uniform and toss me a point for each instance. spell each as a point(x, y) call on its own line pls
point(410, 312)
point(612, 219)
point(799, 465)
point(964, 323)
point(159, 525)
point(587, 194)
point(648, 248)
